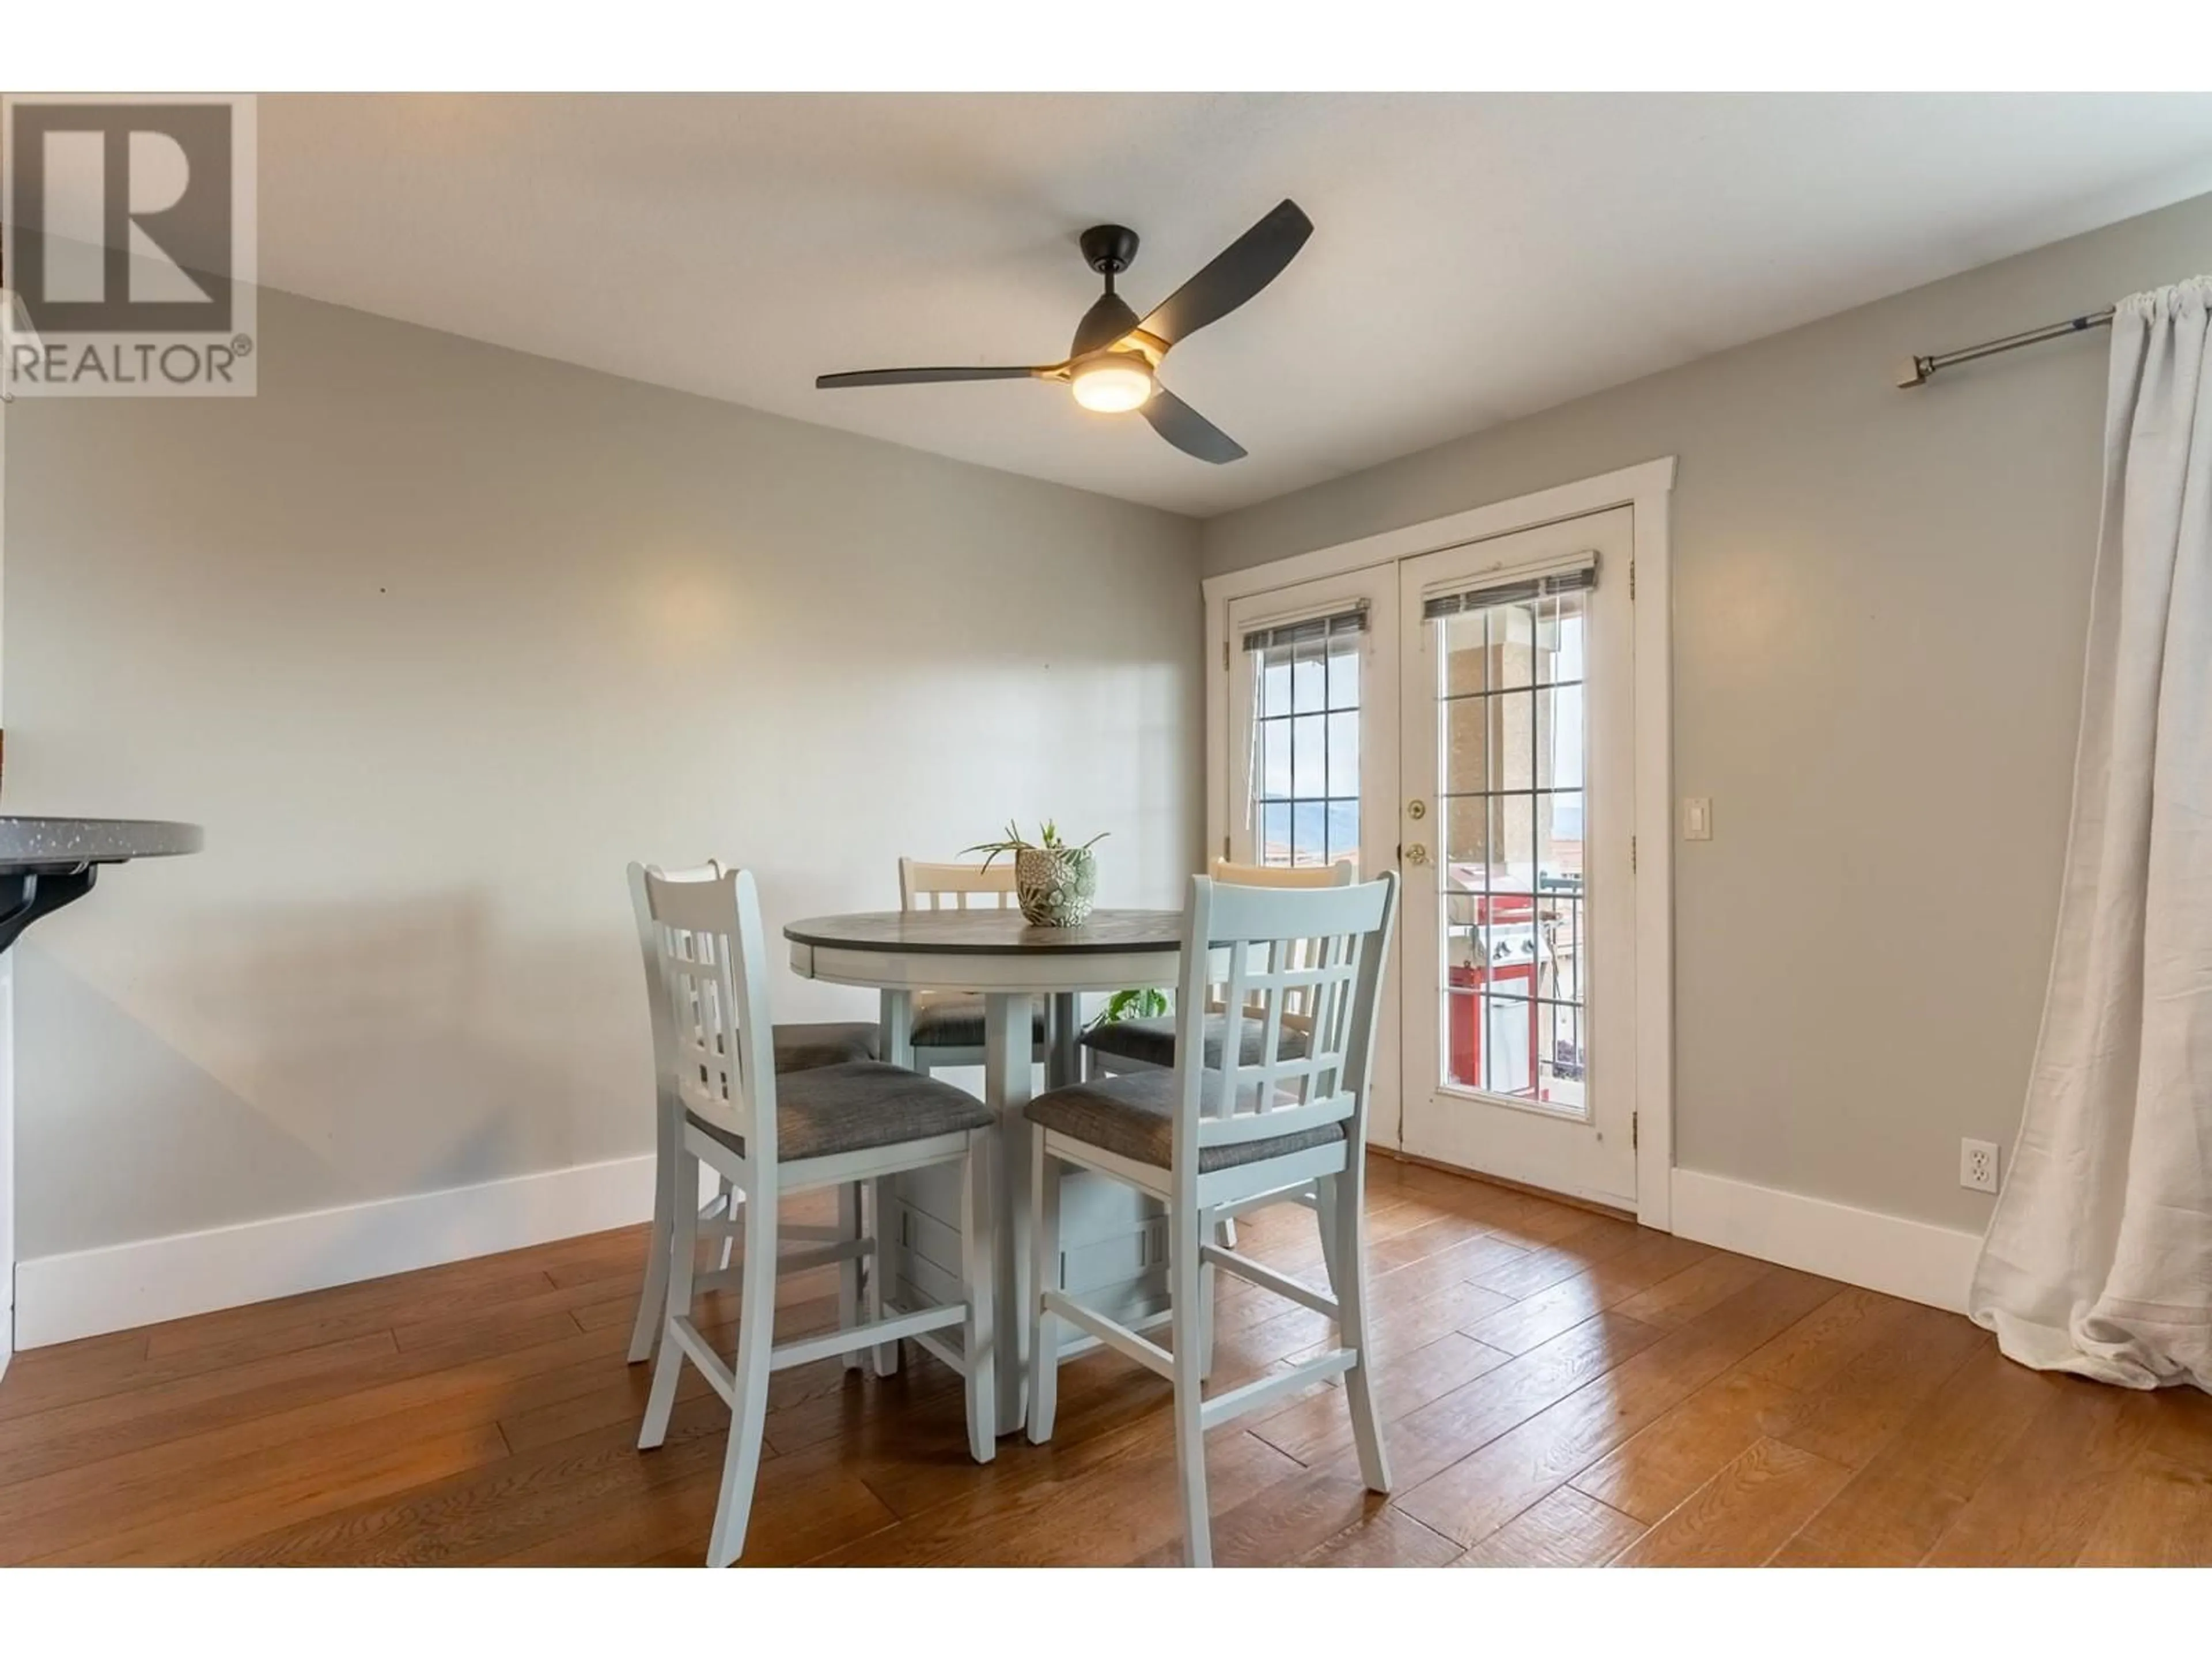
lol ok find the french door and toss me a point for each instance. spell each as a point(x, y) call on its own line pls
point(1313, 742)
point(1465, 718)
point(1518, 962)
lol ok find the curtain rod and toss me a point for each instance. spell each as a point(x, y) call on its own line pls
point(1919, 371)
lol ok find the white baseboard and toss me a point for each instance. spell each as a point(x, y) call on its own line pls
point(7, 1337)
point(1915, 1259)
point(89, 1292)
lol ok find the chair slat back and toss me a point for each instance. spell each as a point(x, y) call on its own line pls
point(952, 886)
point(649, 950)
point(1326, 945)
point(1342, 873)
point(712, 961)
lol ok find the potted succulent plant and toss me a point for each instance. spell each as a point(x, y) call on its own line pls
point(1054, 884)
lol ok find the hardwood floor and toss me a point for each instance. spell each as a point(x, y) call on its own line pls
point(1561, 1389)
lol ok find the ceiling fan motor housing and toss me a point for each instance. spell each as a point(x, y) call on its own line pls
point(1109, 250)
point(1109, 321)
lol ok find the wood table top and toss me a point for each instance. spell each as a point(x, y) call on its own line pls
point(989, 932)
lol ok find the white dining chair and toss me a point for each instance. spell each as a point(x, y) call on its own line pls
point(1130, 1045)
point(772, 1136)
point(948, 1024)
point(797, 1048)
point(1203, 1139)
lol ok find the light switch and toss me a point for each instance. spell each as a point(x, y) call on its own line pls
point(1697, 818)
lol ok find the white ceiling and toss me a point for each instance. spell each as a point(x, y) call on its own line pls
point(1477, 257)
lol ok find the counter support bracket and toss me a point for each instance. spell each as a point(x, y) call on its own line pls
point(27, 894)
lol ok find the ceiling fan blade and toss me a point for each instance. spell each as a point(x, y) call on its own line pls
point(1188, 430)
point(921, 376)
point(1237, 272)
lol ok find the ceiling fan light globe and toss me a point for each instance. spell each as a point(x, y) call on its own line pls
point(1113, 383)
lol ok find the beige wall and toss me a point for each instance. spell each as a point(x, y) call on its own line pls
point(433, 637)
point(1879, 613)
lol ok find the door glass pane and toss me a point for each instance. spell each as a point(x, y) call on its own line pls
point(1512, 644)
point(1343, 755)
point(1465, 721)
point(1309, 755)
point(1511, 732)
point(1513, 746)
point(1344, 679)
point(1344, 830)
point(1274, 780)
point(1305, 738)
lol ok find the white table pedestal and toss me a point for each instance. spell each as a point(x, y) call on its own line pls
point(1114, 1244)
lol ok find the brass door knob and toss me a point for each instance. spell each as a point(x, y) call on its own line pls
point(1416, 853)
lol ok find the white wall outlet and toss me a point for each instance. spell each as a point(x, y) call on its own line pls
point(1978, 1165)
point(1697, 818)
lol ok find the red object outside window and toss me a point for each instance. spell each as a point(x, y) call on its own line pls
point(1483, 997)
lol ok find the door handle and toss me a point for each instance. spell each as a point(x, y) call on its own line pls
point(1416, 853)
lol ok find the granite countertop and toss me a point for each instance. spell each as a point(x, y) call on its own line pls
point(35, 843)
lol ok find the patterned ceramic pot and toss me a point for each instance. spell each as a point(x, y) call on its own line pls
point(1056, 884)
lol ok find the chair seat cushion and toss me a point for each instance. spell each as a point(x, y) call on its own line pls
point(1132, 1116)
point(954, 1019)
point(802, 1047)
point(852, 1107)
point(1152, 1042)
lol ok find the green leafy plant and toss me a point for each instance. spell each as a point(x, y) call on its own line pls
point(1145, 1004)
point(1014, 841)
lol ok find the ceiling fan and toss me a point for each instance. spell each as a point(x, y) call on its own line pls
point(1113, 365)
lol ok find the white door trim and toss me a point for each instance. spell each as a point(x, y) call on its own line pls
point(1648, 483)
point(1649, 487)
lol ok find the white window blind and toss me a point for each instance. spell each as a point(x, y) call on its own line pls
point(1307, 630)
point(1512, 587)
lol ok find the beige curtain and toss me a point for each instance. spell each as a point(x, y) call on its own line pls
point(2099, 1257)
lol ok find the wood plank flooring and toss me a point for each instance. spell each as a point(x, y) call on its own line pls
point(1561, 1389)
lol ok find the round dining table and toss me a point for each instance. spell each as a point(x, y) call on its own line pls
point(1111, 1241)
